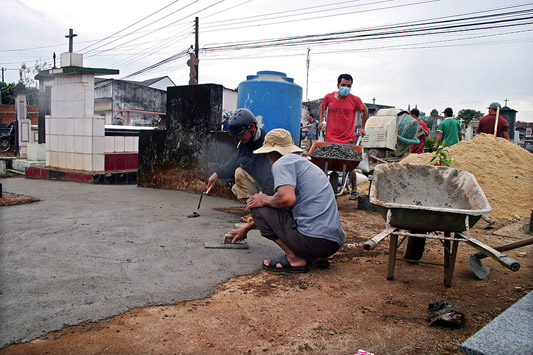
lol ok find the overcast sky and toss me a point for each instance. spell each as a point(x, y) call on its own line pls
point(467, 69)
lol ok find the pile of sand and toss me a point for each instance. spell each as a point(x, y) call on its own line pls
point(503, 170)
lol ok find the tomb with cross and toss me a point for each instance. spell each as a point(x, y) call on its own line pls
point(74, 135)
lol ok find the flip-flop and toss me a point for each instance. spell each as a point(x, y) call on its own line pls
point(319, 264)
point(286, 266)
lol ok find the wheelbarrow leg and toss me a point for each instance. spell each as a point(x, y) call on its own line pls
point(450, 255)
point(343, 182)
point(393, 246)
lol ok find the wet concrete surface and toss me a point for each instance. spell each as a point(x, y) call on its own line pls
point(88, 252)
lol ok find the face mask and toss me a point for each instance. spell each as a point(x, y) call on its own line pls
point(344, 91)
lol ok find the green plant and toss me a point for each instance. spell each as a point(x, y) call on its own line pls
point(442, 156)
point(430, 142)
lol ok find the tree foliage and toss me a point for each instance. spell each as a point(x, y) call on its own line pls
point(434, 113)
point(468, 114)
point(8, 98)
point(27, 73)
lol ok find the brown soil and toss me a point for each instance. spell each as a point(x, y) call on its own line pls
point(351, 306)
point(186, 180)
point(10, 199)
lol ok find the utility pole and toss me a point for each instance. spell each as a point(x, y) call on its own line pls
point(307, 79)
point(196, 46)
point(2, 82)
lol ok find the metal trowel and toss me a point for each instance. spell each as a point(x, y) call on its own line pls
point(202, 195)
point(226, 243)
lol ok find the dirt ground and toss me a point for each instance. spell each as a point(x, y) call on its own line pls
point(351, 306)
point(10, 199)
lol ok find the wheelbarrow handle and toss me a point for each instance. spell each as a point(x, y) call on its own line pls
point(521, 243)
point(373, 242)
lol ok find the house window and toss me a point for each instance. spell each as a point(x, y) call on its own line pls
point(528, 132)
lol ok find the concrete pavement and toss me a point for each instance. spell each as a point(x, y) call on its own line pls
point(88, 252)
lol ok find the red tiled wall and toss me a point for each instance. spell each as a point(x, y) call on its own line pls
point(33, 110)
point(120, 161)
point(7, 113)
point(35, 172)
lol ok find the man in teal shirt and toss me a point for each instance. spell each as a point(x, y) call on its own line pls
point(449, 130)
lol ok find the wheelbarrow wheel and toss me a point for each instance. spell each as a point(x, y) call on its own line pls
point(334, 181)
point(415, 247)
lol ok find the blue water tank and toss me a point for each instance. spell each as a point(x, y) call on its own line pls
point(274, 97)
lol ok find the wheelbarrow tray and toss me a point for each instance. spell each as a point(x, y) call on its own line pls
point(428, 198)
point(335, 164)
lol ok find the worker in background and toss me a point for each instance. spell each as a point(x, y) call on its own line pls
point(449, 130)
point(251, 173)
point(302, 216)
point(340, 127)
point(312, 133)
point(486, 123)
point(225, 121)
point(119, 121)
point(422, 134)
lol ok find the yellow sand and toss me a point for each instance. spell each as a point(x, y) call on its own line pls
point(503, 170)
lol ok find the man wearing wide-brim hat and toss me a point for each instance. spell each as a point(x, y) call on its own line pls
point(301, 217)
point(486, 123)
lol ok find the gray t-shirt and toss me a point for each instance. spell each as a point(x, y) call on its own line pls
point(315, 209)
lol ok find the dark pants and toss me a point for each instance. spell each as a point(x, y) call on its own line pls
point(274, 223)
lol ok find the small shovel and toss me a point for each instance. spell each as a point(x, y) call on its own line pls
point(202, 195)
point(482, 271)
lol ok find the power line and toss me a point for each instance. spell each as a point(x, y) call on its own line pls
point(164, 61)
point(321, 16)
point(255, 18)
point(407, 46)
point(379, 33)
point(133, 24)
point(151, 23)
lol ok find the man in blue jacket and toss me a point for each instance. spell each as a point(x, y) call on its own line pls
point(252, 173)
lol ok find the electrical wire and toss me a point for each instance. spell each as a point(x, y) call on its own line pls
point(132, 51)
point(151, 23)
point(133, 24)
point(362, 34)
point(322, 16)
point(164, 61)
point(278, 13)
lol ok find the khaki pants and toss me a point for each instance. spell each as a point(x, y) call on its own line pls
point(310, 143)
point(308, 146)
point(245, 185)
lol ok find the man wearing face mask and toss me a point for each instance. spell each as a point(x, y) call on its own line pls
point(341, 117)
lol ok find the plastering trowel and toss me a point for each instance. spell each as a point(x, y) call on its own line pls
point(226, 243)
